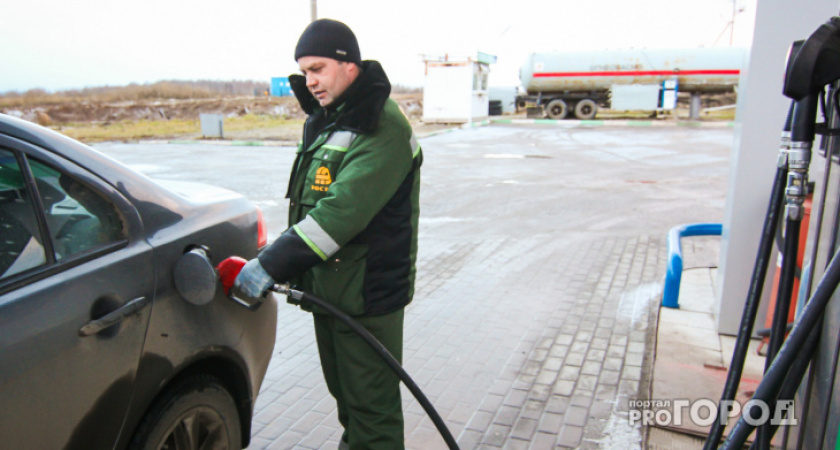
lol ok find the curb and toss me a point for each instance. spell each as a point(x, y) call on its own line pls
point(615, 123)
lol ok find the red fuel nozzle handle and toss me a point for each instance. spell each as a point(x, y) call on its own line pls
point(228, 270)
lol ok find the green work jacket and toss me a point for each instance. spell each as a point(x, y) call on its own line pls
point(353, 209)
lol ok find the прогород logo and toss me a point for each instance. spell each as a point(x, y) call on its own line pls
point(703, 412)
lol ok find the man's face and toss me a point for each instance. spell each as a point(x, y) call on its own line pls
point(327, 78)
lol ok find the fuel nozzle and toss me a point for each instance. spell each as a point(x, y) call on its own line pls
point(227, 271)
point(799, 156)
point(811, 65)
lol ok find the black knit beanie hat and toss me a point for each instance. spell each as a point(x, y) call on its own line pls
point(330, 39)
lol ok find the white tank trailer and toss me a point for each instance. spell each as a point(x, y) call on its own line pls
point(581, 81)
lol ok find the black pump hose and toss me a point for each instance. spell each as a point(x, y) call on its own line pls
point(780, 315)
point(804, 124)
point(762, 261)
point(802, 136)
point(382, 352)
point(797, 372)
point(785, 290)
point(769, 387)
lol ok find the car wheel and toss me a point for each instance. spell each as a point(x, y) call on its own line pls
point(586, 109)
point(197, 413)
point(556, 109)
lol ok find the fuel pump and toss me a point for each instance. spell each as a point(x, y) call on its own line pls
point(812, 65)
point(799, 159)
point(762, 262)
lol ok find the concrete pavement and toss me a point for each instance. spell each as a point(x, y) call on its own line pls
point(532, 339)
point(542, 256)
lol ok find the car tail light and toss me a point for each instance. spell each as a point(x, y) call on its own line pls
point(262, 231)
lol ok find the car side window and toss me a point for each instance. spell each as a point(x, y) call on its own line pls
point(21, 243)
point(79, 218)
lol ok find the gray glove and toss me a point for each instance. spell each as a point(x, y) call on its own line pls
point(253, 280)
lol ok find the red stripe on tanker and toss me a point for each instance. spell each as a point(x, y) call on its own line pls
point(650, 73)
point(696, 70)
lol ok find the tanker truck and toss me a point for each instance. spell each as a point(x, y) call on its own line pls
point(582, 81)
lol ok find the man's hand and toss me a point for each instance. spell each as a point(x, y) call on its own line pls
point(253, 280)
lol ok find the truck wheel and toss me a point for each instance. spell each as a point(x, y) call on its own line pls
point(197, 413)
point(586, 109)
point(556, 109)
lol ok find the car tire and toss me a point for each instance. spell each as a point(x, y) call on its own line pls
point(586, 109)
point(556, 109)
point(196, 413)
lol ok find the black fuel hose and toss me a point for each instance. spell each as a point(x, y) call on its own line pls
point(804, 119)
point(769, 387)
point(785, 290)
point(382, 352)
point(762, 262)
point(797, 372)
point(801, 140)
point(780, 315)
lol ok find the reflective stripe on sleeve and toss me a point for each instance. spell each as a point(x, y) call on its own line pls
point(316, 238)
point(415, 146)
point(340, 140)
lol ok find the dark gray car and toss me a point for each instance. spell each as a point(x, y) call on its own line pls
point(97, 347)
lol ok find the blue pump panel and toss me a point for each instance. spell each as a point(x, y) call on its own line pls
point(668, 94)
point(280, 87)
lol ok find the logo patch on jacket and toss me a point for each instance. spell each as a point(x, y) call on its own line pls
point(322, 180)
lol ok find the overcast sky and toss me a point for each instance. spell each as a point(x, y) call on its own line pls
point(72, 44)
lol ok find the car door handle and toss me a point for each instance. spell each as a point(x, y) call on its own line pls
point(114, 317)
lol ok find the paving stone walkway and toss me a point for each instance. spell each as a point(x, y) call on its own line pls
point(519, 343)
point(537, 296)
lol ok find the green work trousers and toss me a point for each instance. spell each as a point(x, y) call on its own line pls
point(366, 390)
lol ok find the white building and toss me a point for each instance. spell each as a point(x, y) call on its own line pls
point(455, 88)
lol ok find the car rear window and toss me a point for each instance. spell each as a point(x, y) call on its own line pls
point(21, 244)
point(79, 219)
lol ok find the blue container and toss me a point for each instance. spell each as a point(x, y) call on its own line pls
point(280, 87)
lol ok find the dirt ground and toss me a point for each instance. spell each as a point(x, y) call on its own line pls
point(77, 112)
point(92, 111)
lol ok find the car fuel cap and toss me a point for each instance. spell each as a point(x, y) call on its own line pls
point(195, 278)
